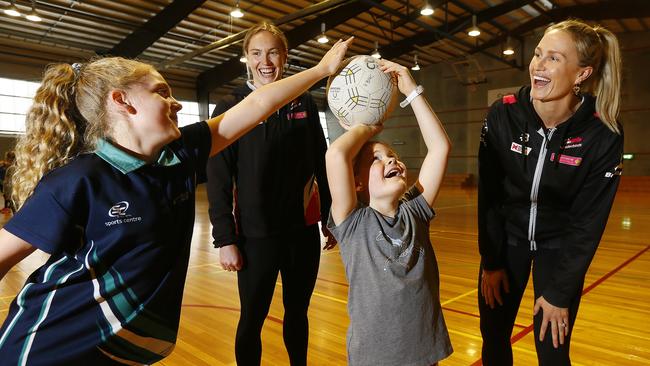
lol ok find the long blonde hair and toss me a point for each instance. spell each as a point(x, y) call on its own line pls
point(68, 117)
point(598, 47)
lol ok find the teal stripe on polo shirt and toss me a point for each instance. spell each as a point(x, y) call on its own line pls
point(126, 163)
point(128, 305)
point(125, 350)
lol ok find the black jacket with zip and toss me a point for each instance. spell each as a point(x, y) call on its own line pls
point(527, 196)
point(270, 167)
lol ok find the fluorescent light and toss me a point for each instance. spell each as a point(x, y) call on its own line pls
point(376, 54)
point(427, 9)
point(12, 10)
point(415, 67)
point(474, 31)
point(33, 17)
point(628, 156)
point(236, 12)
point(323, 37)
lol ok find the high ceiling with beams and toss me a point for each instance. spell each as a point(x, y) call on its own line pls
point(197, 44)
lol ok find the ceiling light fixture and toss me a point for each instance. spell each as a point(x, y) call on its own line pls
point(427, 9)
point(323, 37)
point(376, 54)
point(243, 59)
point(508, 50)
point(236, 11)
point(12, 10)
point(33, 16)
point(474, 31)
point(415, 67)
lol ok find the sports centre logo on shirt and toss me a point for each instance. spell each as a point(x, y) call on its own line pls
point(118, 211)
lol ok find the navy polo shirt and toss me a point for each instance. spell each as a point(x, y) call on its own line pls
point(119, 232)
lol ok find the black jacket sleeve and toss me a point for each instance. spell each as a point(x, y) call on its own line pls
point(319, 148)
point(220, 171)
point(491, 222)
point(589, 213)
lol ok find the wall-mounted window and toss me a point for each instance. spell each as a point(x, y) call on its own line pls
point(15, 100)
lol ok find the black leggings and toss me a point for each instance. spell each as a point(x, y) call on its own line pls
point(296, 257)
point(497, 323)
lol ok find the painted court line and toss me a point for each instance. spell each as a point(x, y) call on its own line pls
point(269, 317)
point(586, 290)
point(459, 297)
point(455, 206)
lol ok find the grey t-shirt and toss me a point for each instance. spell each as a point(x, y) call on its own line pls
point(393, 299)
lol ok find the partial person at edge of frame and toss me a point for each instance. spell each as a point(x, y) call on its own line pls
point(549, 167)
point(105, 182)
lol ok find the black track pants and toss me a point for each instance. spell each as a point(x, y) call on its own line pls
point(296, 258)
point(497, 324)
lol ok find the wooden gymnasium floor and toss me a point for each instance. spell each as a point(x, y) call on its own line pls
point(613, 326)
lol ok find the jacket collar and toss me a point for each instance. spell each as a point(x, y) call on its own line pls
point(578, 121)
point(127, 163)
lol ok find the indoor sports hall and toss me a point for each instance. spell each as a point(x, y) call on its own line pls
point(466, 54)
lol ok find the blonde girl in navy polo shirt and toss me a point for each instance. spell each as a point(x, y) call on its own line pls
point(105, 183)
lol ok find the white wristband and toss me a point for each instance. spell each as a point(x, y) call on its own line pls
point(417, 91)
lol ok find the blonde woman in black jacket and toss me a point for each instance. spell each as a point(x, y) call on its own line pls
point(549, 167)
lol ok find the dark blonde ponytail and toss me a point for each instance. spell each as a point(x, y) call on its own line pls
point(68, 116)
point(598, 47)
point(51, 137)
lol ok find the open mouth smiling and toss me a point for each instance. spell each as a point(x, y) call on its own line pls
point(395, 172)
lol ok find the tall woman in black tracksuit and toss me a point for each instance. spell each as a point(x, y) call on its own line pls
point(549, 166)
point(271, 174)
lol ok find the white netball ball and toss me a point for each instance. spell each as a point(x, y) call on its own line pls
point(361, 92)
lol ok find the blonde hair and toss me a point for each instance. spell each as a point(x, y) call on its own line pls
point(598, 47)
point(68, 117)
point(262, 27)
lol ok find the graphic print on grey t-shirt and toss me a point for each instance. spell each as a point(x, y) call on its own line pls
point(400, 248)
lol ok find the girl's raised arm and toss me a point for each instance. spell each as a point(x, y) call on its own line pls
point(434, 135)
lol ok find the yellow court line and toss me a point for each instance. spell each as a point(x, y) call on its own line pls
point(316, 293)
point(459, 297)
point(278, 283)
point(464, 334)
point(435, 236)
point(205, 265)
point(455, 206)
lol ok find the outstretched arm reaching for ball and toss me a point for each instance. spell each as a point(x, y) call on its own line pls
point(438, 145)
point(339, 161)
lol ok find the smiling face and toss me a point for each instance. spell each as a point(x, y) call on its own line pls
point(265, 57)
point(554, 68)
point(380, 173)
point(155, 119)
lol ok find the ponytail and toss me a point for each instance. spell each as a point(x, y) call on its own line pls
point(598, 47)
point(608, 86)
point(51, 136)
point(68, 117)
